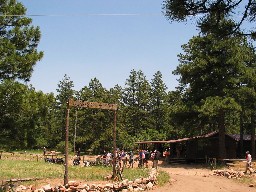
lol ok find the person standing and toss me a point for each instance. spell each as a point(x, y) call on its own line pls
point(131, 160)
point(166, 155)
point(141, 158)
point(156, 158)
point(248, 162)
point(44, 151)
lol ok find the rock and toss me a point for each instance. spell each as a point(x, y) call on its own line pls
point(116, 186)
point(73, 183)
point(47, 188)
point(108, 177)
point(73, 188)
point(140, 184)
point(125, 182)
point(69, 190)
point(251, 185)
point(149, 186)
point(109, 185)
point(83, 186)
point(130, 188)
point(62, 189)
point(172, 180)
point(144, 180)
point(39, 190)
point(100, 187)
point(20, 188)
point(138, 181)
point(32, 187)
point(93, 187)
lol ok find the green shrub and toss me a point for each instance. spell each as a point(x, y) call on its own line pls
point(61, 147)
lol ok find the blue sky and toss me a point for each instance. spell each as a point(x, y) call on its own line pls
point(105, 39)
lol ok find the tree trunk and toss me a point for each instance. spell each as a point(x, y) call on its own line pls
point(253, 135)
point(222, 133)
point(241, 141)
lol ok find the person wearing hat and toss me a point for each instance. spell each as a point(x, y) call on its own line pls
point(248, 162)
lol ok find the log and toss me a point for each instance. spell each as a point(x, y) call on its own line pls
point(16, 180)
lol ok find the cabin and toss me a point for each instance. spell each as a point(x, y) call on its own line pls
point(208, 146)
point(197, 148)
point(246, 146)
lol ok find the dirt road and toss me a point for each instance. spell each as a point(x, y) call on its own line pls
point(186, 178)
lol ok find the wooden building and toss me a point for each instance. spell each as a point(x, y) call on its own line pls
point(195, 148)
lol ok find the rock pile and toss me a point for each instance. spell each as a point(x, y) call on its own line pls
point(229, 173)
point(140, 184)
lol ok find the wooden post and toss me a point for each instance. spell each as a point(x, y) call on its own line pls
point(114, 146)
point(75, 133)
point(66, 146)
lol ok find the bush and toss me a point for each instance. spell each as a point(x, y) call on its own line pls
point(61, 147)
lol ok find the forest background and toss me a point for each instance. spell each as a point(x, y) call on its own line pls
point(216, 87)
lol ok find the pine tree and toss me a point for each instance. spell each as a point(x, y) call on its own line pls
point(18, 42)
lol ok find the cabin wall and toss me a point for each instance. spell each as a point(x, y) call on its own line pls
point(209, 147)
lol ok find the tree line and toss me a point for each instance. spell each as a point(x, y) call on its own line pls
point(32, 119)
point(216, 88)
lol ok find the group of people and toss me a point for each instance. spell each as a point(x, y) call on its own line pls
point(146, 155)
point(123, 158)
point(127, 159)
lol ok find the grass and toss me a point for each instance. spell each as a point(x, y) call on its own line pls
point(247, 180)
point(20, 169)
point(163, 178)
point(29, 169)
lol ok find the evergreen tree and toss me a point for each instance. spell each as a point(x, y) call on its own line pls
point(241, 12)
point(158, 103)
point(65, 91)
point(11, 101)
point(136, 98)
point(95, 125)
point(211, 69)
point(23, 116)
point(180, 118)
point(18, 42)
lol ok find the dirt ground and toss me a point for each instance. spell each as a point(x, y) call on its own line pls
point(193, 178)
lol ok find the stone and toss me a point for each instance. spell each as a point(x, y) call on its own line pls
point(108, 185)
point(130, 188)
point(20, 188)
point(73, 183)
point(47, 188)
point(149, 186)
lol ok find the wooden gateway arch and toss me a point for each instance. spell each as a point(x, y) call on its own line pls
point(94, 105)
